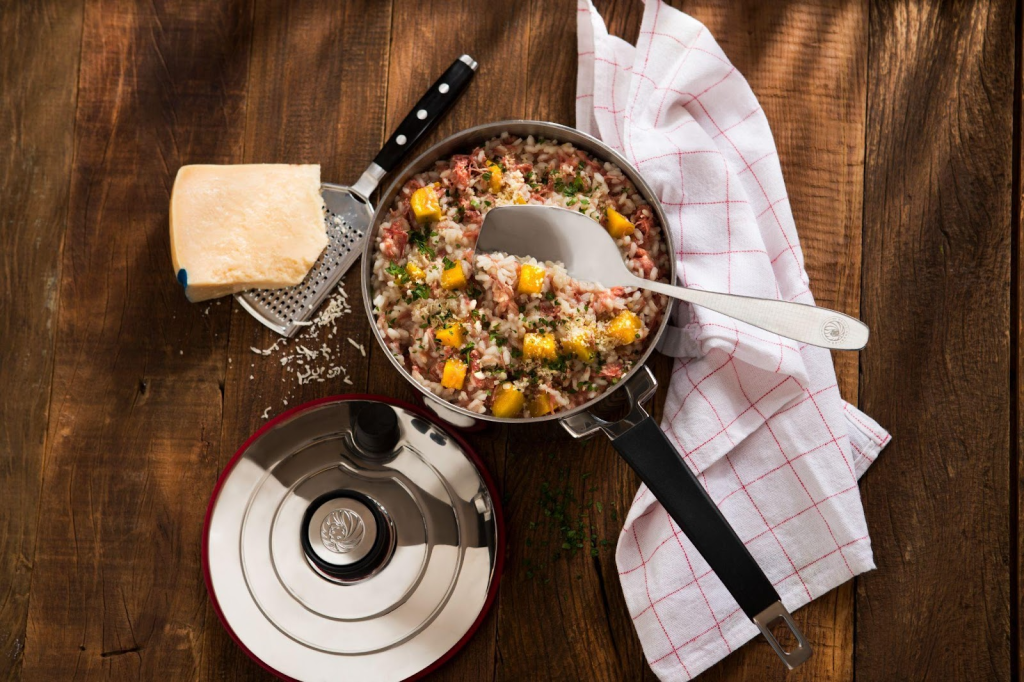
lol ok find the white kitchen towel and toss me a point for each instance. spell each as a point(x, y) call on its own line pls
point(757, 416)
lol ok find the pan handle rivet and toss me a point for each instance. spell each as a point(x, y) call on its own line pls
point(421, 114)
point(443, 88)
point(400, 139)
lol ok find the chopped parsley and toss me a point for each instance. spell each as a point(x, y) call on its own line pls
point(397, 271)
point(569, 188)
point(557, 365)
point(420, 239)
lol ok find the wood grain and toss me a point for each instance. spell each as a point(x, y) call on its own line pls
point(937, 201)
point(1016, 356)
point(39, 52)
point(579, 626)
point(135, 417)
point(318, 77)
point(497, 36)
point(895, 127)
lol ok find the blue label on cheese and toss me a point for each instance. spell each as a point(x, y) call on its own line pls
point(183, 278)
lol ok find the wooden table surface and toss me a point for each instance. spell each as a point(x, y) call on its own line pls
point(898, 127)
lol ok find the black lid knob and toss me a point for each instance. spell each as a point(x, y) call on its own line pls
point(377, 428)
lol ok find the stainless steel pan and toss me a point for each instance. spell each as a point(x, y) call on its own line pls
point(636, 437)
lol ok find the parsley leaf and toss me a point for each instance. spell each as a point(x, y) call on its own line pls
point(397, 271)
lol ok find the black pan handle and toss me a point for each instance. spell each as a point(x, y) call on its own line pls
point(649, 452)
point(428, 111)
point(643, 445)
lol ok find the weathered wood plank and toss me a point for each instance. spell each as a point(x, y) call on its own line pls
point(318, 78)
point(135, 416)
point(1017, 357)
point(496, 36)
point(937, 296)
point(39, 53)
point(807, 64)
point(563, 618)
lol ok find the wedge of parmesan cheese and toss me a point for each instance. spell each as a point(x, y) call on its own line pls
point(252, 226)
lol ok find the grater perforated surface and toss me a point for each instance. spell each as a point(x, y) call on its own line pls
point(347, 219)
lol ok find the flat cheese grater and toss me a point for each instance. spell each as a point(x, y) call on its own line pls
point(350, 213)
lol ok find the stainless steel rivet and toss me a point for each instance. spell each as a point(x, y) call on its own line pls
point(443, 88)
point(421, 114)
point(401, 139)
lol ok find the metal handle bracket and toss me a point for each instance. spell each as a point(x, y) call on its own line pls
point(639, 388)
point(773, 614)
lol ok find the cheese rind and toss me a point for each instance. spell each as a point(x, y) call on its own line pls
point(249, 226)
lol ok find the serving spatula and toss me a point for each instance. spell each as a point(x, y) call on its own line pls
point(350, 213)
point(589, 253)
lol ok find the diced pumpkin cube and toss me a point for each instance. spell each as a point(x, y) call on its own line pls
point(453, 277)
point(618, 226)
point(580, 343)
point(539, 346)
point(494, 176)
point(508, 402)
point(520, 199)
point(541, 405)
point(451, 336)
point(454, 374)
point(624, 328)
point(531, 279)
point(425, 205)
point(415, 271)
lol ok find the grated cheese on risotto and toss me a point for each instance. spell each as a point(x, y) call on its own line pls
point(503, 335)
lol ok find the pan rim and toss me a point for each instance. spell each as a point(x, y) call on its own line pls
point(473, 135)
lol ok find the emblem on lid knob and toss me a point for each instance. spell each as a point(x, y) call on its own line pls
point(342, 530)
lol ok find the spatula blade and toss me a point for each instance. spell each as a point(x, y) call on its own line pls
point(552, 233)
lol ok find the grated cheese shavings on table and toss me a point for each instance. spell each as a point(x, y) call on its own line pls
point(313, 355)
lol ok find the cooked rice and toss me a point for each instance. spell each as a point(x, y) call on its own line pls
point(494, 317)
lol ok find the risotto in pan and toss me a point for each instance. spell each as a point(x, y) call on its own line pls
point(510, 336)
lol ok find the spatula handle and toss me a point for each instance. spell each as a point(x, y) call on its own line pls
point(437, 100)
point(798, 321)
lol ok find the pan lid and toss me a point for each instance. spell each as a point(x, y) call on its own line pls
point(352, 537)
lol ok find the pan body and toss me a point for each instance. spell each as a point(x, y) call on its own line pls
point(463, 142)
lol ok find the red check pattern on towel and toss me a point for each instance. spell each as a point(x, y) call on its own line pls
point(758, 417)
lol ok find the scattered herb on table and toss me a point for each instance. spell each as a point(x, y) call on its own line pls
point(567, 524)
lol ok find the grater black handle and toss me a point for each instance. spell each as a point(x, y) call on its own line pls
point(428, 111)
